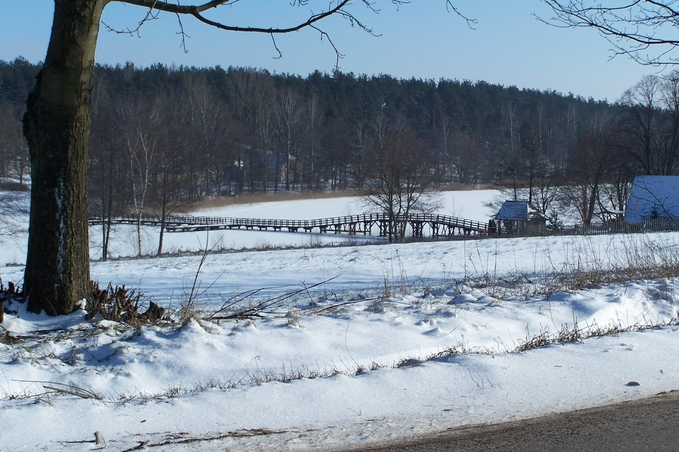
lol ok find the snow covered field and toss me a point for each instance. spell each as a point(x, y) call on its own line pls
point(358, 351)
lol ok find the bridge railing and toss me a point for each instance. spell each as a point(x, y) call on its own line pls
point(187, 222)
point(321, 223)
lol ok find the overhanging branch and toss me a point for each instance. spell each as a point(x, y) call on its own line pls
point(197, 10)
point(631, 26)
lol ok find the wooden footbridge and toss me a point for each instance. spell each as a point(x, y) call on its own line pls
point(419, 225)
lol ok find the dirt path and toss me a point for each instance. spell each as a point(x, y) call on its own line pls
point(650, 424)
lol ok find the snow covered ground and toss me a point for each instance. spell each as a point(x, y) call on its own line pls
point(360, 345)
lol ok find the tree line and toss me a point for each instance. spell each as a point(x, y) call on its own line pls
point(163, 137)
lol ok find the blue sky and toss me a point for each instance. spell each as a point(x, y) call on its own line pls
point(508, 46)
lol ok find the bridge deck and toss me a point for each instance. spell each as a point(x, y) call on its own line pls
point(438, 225)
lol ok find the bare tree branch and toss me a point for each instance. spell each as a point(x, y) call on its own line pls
point(644, 30)
point(334, 8)
point(450, 7)
point(197, 10)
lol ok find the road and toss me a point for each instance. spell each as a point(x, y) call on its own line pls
point(650, 424)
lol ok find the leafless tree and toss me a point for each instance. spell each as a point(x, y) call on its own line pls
point(534, 141)
point(644, 123)
point(105, 166)
point(240, 85)
point(467, 156)
point(509, 161)
point(139, 128)
point(592, 162)
point(360, 143)
point(401, 176)
point(263, 122)
point(169, 174)
point(14, 159)
point(645, 30)
point(289, 115)
point(445, 128)
point(670, 140)
point(207, 119)
point(252, 105)
point(651, 123)
point(313, 119)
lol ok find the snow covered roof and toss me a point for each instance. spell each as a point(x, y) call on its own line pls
point(513, 211)
point(653, 197)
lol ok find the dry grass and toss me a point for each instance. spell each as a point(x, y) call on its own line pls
point(575, 334)
point(257, 198)
point(254, 198)
point(121, 304)
point(465, 187)
point(587, 265)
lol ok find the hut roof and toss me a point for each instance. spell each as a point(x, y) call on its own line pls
point(513, 211)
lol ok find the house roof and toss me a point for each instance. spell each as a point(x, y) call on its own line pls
point(513, 211)
point(653, 197)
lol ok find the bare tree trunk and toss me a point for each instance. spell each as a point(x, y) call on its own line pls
point(163, 212)
point(57, 127)
point(107, 214)
point(289, 115)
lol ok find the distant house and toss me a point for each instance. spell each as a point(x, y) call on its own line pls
point(653, 197)
point(517, 217)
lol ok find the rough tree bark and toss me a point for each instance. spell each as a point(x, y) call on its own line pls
point(57, 125)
